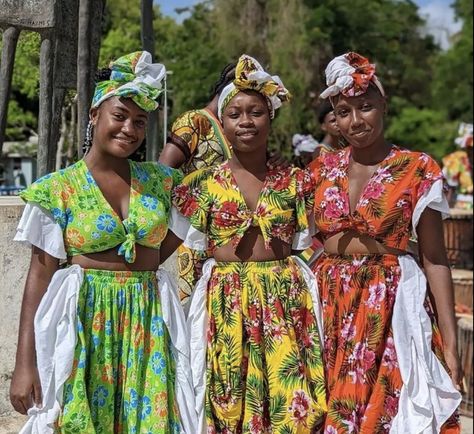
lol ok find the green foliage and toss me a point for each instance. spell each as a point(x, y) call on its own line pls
point(452, 83)
point(429, 90)
point(423, 129)
point(20, 122)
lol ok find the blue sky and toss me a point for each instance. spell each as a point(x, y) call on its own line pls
point(438, 13)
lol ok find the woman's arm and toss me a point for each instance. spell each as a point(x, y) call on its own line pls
point(25, 388)
point(169, 245)
point(435, 262)
point(172, 156)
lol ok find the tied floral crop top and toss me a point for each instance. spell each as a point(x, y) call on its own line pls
point(88, 222)
point(391, 203)
point(212, 202)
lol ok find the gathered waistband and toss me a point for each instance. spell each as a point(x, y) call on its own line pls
point(121, 276)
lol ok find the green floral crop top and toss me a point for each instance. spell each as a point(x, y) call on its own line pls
point(88, 222)
point(212, 202)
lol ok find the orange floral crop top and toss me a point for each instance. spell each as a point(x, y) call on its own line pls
point(88, 222)
point(212, 202)
point(386, 208)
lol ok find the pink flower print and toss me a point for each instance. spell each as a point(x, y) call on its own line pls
point(363, 356)
point(356, 418)
point(331, 160)
point(348, 331)
point(300, 407)
point(332, 193)
point(332, 211)
point(211, 429)
point(373, 191)
point(389, 358)
point(330, 430)
point(391, 406)
point(357, 375)
point(406, 208)
point(382, 175)
point(425, 185)
point(377, 295)
point(256, 424)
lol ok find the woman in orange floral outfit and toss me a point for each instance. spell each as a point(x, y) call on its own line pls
point(382, 353)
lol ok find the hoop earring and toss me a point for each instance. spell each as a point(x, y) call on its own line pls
point(88, 139)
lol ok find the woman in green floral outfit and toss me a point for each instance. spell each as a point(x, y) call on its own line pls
point(111, 353)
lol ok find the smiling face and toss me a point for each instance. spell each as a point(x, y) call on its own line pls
point(246, 121)
point(119, 127)
point(361, 118)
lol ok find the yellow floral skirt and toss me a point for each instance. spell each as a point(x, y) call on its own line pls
point(264, 367)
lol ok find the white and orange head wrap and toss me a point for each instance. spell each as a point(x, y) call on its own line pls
point(350, 74)
point(250, 75)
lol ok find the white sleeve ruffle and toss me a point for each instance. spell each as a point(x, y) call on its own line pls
point(435, 199)
point(181, 227)
point(38, 228)
point(427, 397)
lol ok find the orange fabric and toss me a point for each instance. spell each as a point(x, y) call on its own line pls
point(385, 208)
point(358, 293)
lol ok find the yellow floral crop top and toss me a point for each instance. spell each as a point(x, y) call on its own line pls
point(88, 222)
point(212, 202)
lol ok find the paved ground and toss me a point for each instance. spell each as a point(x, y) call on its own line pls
point(11, 425)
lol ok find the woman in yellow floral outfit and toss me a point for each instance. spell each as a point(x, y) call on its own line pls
point(255, 307)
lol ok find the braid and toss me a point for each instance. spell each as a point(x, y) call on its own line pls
point(102, 75)
point(227, 75)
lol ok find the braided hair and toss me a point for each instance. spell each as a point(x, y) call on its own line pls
point(226, 77)
point(104, 74)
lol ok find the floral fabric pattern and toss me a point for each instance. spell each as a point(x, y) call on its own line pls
point(265, 371)
point(358, 292)
point(214, 205)
point(123, 374)
point(88, 221)
point(198, 134)
point(385, 207)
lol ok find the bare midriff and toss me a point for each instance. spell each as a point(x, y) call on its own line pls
point(252, 249)
point(147, 259)
point(354, 243)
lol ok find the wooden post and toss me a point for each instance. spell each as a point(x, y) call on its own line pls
point(10, 39)
point(148, 44)
point(46, 158)
point(83, 71)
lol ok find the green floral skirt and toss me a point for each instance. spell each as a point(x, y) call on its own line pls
point(122, 379)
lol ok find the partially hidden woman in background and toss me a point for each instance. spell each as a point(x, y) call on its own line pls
point(108, 336)
point(385, 362)
point(253, 319)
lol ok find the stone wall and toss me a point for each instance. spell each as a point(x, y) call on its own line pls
point(14, 261)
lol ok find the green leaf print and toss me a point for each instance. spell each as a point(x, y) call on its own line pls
point(277, 408)
point(290, 373)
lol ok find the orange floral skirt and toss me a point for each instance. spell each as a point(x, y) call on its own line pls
point(363, 378)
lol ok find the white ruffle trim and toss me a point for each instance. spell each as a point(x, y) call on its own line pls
point(55, 339)
point(37, 227)
point(435, 199)
point(181, 227)
point(56, 334)
point(197, 324)
point(428, 397)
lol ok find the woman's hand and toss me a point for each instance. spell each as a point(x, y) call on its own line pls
point(453, 361)
point(25, 389)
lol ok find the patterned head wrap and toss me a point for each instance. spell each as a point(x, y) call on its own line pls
point(302, 143)
point(133, 76)
point(350, 74)
point(464, 139)
point(249, 75)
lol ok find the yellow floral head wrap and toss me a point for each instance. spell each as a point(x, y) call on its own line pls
point(250, 75)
